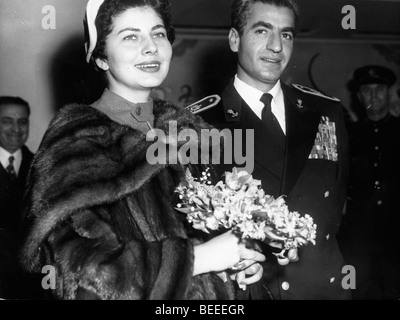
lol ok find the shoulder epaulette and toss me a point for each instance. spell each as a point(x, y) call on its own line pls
point(204, 104)
point(314, 92)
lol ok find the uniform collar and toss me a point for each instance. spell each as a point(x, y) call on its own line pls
point(252, 97)
point(139, 116)
point(380, 121)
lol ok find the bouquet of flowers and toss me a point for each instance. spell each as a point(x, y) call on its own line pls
point(239, 203)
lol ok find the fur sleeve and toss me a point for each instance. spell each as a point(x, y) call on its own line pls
point(93, 263)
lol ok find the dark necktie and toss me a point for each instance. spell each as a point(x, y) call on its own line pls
point(270, 120)
point(10, 168)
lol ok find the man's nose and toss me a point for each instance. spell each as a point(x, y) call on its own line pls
point(16, 127)
point(274, 42)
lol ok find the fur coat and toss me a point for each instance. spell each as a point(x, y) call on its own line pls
point(103, 216)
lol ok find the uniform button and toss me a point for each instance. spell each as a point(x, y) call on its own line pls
point(139, 111)
point(326, 194)
point(379, 203)
point(327, 236)
point(331, 280)
point(375, 164)
point(377, 183)
point(376, 130)
point(376, 147)
point(285, 285)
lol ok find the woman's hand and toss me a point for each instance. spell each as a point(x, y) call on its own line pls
point(250, 275)
point(225, 252)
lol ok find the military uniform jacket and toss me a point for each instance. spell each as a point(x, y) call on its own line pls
point(373, 210)
point(311, 170)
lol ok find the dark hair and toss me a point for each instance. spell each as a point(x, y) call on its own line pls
point(112, 8)
point(240, 9)
point(5, 100)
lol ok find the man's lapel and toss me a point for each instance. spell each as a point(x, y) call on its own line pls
point(25, 165)
point(5, 176)
point(238, 115)
point(301, 129)
point(3, 171)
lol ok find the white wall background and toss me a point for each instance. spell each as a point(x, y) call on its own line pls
point(27, 50)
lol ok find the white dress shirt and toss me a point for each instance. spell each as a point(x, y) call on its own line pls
point(4, 155)
point(252, 97)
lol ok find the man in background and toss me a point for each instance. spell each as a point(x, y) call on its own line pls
point(15, 160)
point(369, 234)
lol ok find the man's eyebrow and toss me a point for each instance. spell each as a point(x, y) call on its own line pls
point(270, 26)
point(289, 29)
point(262, 24)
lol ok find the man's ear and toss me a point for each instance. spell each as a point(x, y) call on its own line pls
point(102, 64)
point(234, 39)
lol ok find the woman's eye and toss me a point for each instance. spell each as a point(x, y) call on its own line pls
point(160, 35)
point(130, 37)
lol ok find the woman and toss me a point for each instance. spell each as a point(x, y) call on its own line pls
point(97, 210)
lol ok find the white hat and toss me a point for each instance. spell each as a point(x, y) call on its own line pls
point(92, 8)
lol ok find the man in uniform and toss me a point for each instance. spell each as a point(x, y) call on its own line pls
point(300, 149)
point(15, 160)
point(369, 235)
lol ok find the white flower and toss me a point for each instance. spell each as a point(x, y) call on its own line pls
point(219, 213)
point(212, 223)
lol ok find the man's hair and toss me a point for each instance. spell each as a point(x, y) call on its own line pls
point(6, 100)
point(111, 9)
point(241, 8)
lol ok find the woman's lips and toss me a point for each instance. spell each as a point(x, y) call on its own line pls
point(152, 66)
